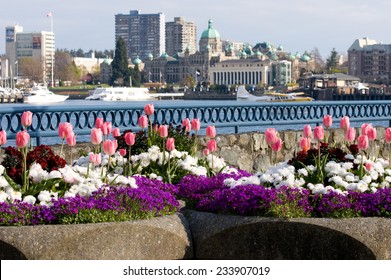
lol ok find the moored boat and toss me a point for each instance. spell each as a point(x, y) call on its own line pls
point(42, 95)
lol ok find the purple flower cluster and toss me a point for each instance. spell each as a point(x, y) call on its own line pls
point(211, 195)
point(151, 198)
point(193, 188)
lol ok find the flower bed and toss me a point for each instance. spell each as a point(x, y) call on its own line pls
point(141, 176)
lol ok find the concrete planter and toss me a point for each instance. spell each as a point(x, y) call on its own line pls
point(203, 236)
point(165, 237)
point(235, 237)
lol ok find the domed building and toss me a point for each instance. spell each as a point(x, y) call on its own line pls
point(212, 38)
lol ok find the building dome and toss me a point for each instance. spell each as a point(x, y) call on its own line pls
point(150, 56)
point(106, 61)
point(164, 55)
point(305, 57)
point(210, 33)
point(137, 60)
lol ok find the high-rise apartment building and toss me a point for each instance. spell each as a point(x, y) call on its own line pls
point(37, 45)
point(144, 34)
point(180, 36)
point(370, 61)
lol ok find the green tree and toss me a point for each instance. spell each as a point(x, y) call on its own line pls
point(136, 76)
point(120, 68)
point(332, 61)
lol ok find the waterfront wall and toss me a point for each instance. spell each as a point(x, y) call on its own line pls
point(249, 151)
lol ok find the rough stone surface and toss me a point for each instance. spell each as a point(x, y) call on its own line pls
point(250, 151)
point(244, 140)
point(165, 237)
point(234, 237)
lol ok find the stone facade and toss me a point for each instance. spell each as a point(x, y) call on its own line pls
point(370, 60)
point(250, 152)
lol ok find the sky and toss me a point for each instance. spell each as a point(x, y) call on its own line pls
point(297, 25)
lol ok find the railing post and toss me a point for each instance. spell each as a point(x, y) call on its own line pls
point(39, 139)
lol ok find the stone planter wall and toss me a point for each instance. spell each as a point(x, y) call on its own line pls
point(165, 237)
point(250, 152)
point(203, 236)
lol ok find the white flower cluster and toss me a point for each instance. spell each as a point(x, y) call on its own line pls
point(84, 178)
point(76, 177)
point(341, 177)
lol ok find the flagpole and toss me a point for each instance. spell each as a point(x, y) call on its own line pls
point(50, 14)
point(51, 29)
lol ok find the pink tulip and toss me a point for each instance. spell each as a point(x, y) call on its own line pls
point(365, 127)
point(212, 145)
point(122, 152)
point(99, 122)
point(363, 142)
point(3, 137)
point(22, 139)
point(344, 123)
point(307, 131)
point(368, 166)
point(277, 145)
point(130, 138)
point(271, 136)
point(388, 135)
point(116, 132)
point(106, 128)
point(27, 118)
point(206, 152)
point(96, 136)
point(71, 139)
point(319, 133)
point(195, 124)
point(170, 144)
point(327, 121)
point(211, 131)
point(64, 130)
point(163, 131)
point(371, 133)
point(186, 124)
point(305, 144)
point(149, 109)
point(350, 134)
point(96, 159)
point(110, 146)
point(143, 121)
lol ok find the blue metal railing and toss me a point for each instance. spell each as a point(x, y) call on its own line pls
point(236, 115)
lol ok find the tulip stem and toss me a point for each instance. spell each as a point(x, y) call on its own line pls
point(62, 146)
point(129, 164)
point(25, 179)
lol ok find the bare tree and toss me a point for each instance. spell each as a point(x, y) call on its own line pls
point(31, 68)
point(65, 69)
point(319, 62)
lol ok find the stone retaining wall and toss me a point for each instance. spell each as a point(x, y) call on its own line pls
point(249, 151)
point(199, 235)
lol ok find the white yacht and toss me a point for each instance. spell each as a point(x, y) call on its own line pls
point(120, 94)
point(42, 95)
point(244, 95)
point(96, 94)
